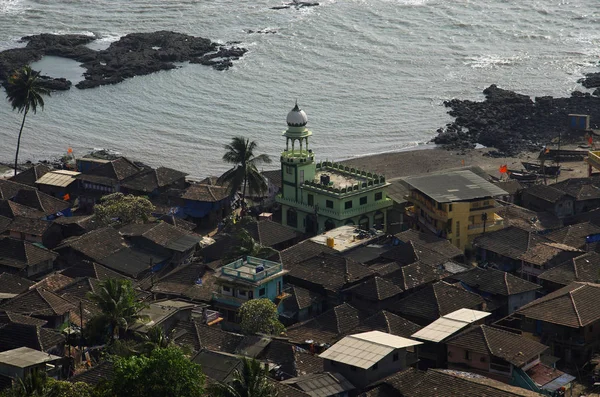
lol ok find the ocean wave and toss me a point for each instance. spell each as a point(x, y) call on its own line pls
point(12, 6)
point(492, 61)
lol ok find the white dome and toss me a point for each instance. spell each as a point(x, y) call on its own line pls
point(296, 117)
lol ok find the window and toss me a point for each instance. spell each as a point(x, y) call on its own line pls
point(395, 357)
point(301, 176)
point(363, 200)
point(292, 218)
point(288, 169)
point(329, 204)
point(457, 228)
point(262, 291)
point(311, 199)
point(467, 355)
point(375, 366)
point(348, 204)
point(226, 289)
point(449, 207)
point(378, 196)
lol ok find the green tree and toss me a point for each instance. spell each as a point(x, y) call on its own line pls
point(119, 209)
point(244, 174)
point(251, 381)
point(118, 304)
point(260, 316)
point(164, 373)
point(247, 246)
point(25, 92)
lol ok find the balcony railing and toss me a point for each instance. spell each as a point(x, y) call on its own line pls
point(342, 214)
point(242, 268)
point(428, 207)
point(228, 299)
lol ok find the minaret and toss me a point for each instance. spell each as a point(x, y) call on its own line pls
point(297, 161)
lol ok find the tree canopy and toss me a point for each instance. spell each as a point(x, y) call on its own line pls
point(251, 381)
point(260, 316)
point(120, 209)
point(119, 306)
point(25, 92)
point(244, 175)
point(166, 372)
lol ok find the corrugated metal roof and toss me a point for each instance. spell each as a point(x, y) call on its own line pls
point(24, 357)
point(364, 350)
point(454, 186)
point(449, 324)
point(60, 178)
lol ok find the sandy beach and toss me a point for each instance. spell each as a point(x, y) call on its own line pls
point(421, 161)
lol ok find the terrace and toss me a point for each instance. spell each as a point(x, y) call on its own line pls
point(250, 269)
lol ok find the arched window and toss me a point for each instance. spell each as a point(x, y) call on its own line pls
point(378, 220)
point(329, 224)
point(363, 222)
point(349, 222)
point(292, 217)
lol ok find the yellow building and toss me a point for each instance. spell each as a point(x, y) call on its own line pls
point(457, 205)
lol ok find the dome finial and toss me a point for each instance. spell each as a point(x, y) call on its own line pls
point(296, 117)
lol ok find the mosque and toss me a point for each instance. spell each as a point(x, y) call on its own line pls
point(320, 196)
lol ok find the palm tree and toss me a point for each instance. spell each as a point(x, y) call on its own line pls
point(24, 92)
point(118, 303)
point(251, 381)
point(247, 246)
point(240, 152)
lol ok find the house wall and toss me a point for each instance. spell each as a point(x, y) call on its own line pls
point(562, 208)
point(517, 300)
point(456, 355)
point(362, 377)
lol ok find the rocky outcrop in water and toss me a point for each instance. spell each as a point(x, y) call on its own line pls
point(513, 123)
point(135, 54)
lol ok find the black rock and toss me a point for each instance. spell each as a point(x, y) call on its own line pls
point(135, 54)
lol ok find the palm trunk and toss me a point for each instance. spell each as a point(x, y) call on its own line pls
point(19, 139)
point(244, 192)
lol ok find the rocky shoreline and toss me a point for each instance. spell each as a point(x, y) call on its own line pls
point(513, 123)
point(135, 54)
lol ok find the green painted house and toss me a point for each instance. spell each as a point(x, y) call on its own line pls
point(320, 196)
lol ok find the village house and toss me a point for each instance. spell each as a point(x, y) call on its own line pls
point(576, 235)
point(203, 204)
point(61, 184)
point(456, 205)
point(504, 293)
point(550, 199)
point(301, 305)
point(153, 182)
point(31, 175)
point(50, 207)
point(583, 268)
point(35, 230)
point(25, 259)
point(370, 356)
point(532, 221)
point(41, 304)
point(317, 197)
point(374, 294)
point(492, 352)
point(544, 256)
point(436, 300)
point(567, 320)
point(246, 279)
point(20, 362)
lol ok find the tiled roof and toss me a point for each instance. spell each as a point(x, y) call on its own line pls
point(33, 226)
point(576, 305)
point(10, 209)
point(328, 326)
point(152, 179)
point(514, 348)
point(332, 272)
point(375, 289)
point(4, 222)
point(10, 317)
point(205, 193)
point(218, 366)
point(546, 193)
point(53, 282)
point(41, 201)
point(585, 268)
point(510, 242)
point(307, 363)
point(193, 281)
point(31, 174)
point(427, 240)
point(410, 276)
point(303, 250)
point(102, 371)
point(528, 220)
point(163, 234)
point(133, 262)
point(321, 384)
point(388, 322)
point(436, 300)
point(178, 222)
point(216, 339)
point(580, 188)
point(269, 233)
point(301, 299)
point(495, 282)
point(574, 235)
point(19, 254)
point(111, 173)
point(12, 284)
point(37, 302)
point(97, 244)
point(510, 186)
point(283, 354)
point(274, 177)
point(447, 383)
point(9, 189)
point(15, 335)
point(80, 288)
point(549, 253)
point(414, 251)
point(397, 384)
point(91, 269)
